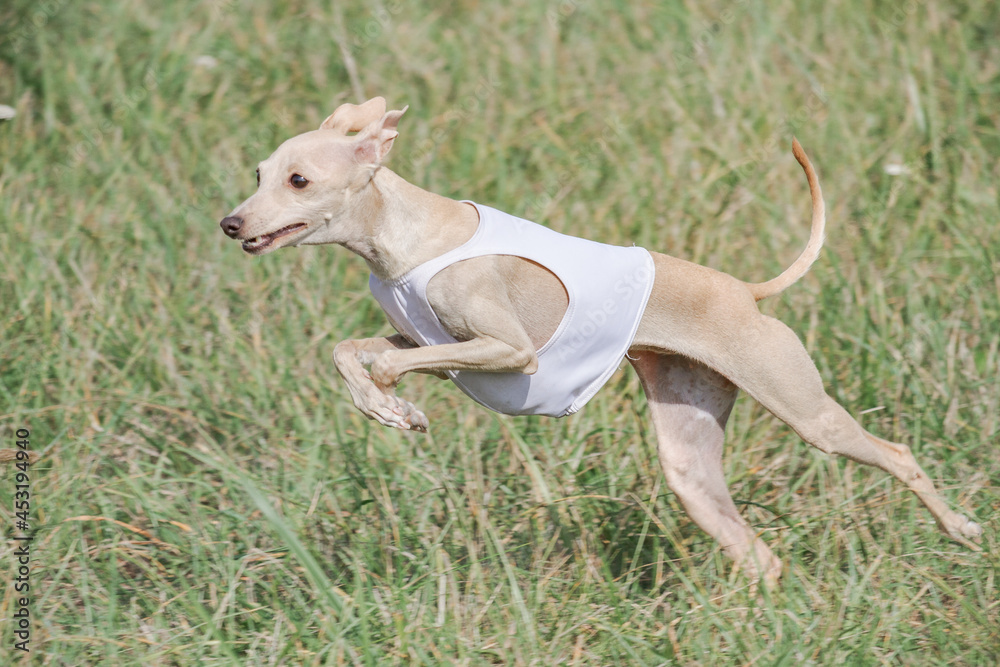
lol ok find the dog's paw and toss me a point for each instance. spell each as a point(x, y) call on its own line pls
point(418, 421)
point(397, 413)
point(970, 529)
point(384, 406)
point(966, 532)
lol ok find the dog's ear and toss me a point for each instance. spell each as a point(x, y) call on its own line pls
point(354, 117)
point(375, 141)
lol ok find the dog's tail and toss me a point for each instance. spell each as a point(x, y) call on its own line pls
point(816, 236)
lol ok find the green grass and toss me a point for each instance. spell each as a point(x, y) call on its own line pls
point(208, 495)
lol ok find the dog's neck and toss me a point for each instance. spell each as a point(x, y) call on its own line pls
point(402, 226)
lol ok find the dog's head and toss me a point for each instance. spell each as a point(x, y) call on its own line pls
point(306, 188)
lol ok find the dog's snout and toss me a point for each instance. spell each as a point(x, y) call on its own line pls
point(231, 225)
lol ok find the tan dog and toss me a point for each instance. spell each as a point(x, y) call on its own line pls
point(700, 339)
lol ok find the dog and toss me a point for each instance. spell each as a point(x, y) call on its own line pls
point(528, 321)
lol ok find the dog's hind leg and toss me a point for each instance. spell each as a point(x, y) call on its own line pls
point(689, 405)
point(776, 370)
point(711, 317)
point(765, 359)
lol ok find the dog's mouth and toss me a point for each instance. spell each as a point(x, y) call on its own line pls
point(259, 244)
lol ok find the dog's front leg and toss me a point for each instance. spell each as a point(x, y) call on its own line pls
point(479, 354)
point(380, 404)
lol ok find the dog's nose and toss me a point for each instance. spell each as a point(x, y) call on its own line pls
point(231, 225)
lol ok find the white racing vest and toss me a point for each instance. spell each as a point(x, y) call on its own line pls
point(608, 287)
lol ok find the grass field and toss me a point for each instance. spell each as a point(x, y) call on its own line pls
point(207, 495)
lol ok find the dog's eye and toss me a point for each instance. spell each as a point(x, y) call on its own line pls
point(258, 178)
point(298, 181)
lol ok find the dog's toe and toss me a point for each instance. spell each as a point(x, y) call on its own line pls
point(965, 532)
point(388, 417)
point(415, 419)
point(971, 529)
point(390, 410)
point(418, 422)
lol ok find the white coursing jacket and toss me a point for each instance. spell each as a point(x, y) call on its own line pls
point(608, 287)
